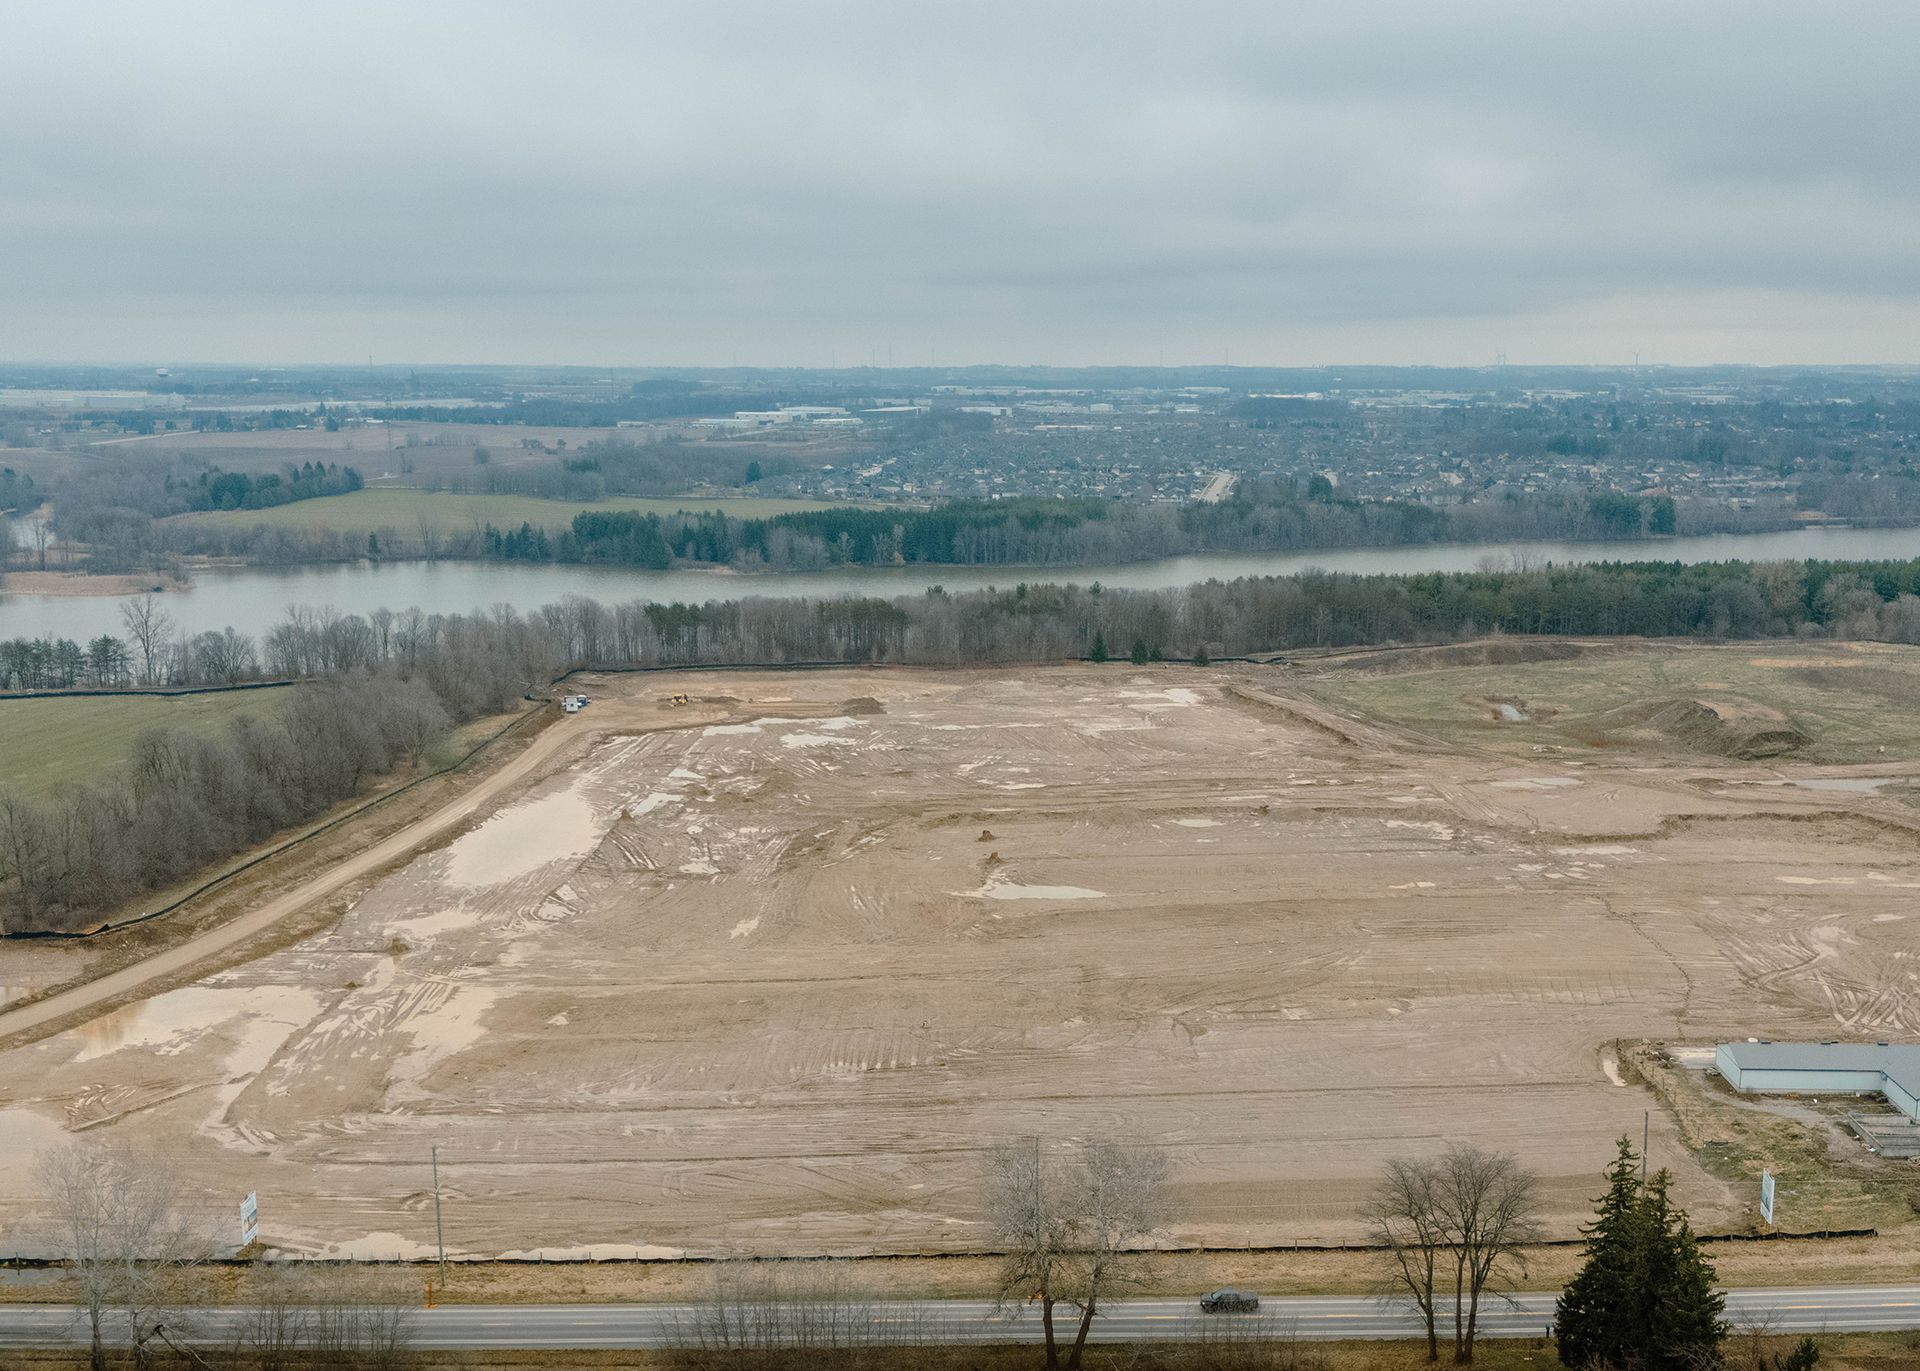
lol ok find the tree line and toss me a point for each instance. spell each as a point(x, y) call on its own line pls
point(384, 695)
point(1025, 622)
point(1035, 531)
point(217, 489)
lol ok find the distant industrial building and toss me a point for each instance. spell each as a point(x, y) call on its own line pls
point(812, 415)
point(1832, 1068)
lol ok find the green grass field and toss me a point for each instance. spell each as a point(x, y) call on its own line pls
point(400, 508)
point(1853, 701)
point(55, 739)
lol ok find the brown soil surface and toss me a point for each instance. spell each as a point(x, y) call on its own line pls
point(742, 977)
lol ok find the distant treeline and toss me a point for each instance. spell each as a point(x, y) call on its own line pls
point(597, 470)
point(389, 683)
point(646, 400)
point(17, 490)
point(114, 509)
point(118, 517)
point(1048, 532)
point(217, 489)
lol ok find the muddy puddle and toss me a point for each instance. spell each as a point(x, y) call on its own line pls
point(518, 841)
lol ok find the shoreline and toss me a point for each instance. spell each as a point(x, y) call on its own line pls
point(75, 584)
point(1526, 554)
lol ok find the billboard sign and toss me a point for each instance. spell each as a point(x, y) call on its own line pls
point(1766, 1195)
point(249, 1218)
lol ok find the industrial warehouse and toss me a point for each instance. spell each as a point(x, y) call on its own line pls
point(1829, 1068)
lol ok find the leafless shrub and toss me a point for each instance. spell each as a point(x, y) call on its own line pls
point(1251, 1342)
point(762, 1316)
point(327, 1319)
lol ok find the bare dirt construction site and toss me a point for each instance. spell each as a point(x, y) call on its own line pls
point(771, 971)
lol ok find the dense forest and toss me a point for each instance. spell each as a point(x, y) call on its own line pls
point(217, 489)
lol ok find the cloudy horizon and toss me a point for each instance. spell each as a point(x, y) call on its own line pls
point(851, 184)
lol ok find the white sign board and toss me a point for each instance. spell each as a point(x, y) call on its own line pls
point(1766, 1196)
point(249, 1218)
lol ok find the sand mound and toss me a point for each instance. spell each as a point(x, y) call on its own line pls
point(862, 705)
point(1720, 728)
point(1484, 652)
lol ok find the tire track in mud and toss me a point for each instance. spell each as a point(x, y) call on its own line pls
point(1637, 923)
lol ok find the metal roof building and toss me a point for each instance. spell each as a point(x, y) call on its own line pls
point(1826, 1069)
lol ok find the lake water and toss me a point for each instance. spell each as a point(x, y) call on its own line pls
point(253, 599)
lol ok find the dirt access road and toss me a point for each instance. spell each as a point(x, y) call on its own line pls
point(568, 732)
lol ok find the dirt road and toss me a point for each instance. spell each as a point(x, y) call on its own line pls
point(29, 1018)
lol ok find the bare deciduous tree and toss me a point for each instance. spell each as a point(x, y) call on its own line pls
point(117, 1214)
point(1488, 1204)
point(149, 626)
point(1463, 1220)
point(1405, 1219)
point(1073, 1227)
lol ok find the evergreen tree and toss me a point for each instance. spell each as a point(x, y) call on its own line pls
point(1596, 1314)
point(1645, 1297)
point(1139, 652)
point(1200, 657)
point(1684, 1328)
point(1099, 653)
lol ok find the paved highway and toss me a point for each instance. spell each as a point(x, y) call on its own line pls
point(1802, 1309)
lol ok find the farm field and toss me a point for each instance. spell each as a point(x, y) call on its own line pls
point(50, 740)
point(401, 508)
point(768, 973)
point(420, 450)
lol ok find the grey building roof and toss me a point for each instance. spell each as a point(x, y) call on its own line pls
point(1899, 1062)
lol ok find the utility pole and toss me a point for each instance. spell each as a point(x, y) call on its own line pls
point(439, 1234)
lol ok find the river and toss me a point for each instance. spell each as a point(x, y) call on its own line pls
point(252, 599)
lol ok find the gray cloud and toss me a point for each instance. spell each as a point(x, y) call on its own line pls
point(1073, 183)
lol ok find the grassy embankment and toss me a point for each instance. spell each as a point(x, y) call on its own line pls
point(52, 739)
point(401, 508)
point(1850, 703)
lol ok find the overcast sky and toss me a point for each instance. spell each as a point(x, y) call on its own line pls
point(805, 182)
